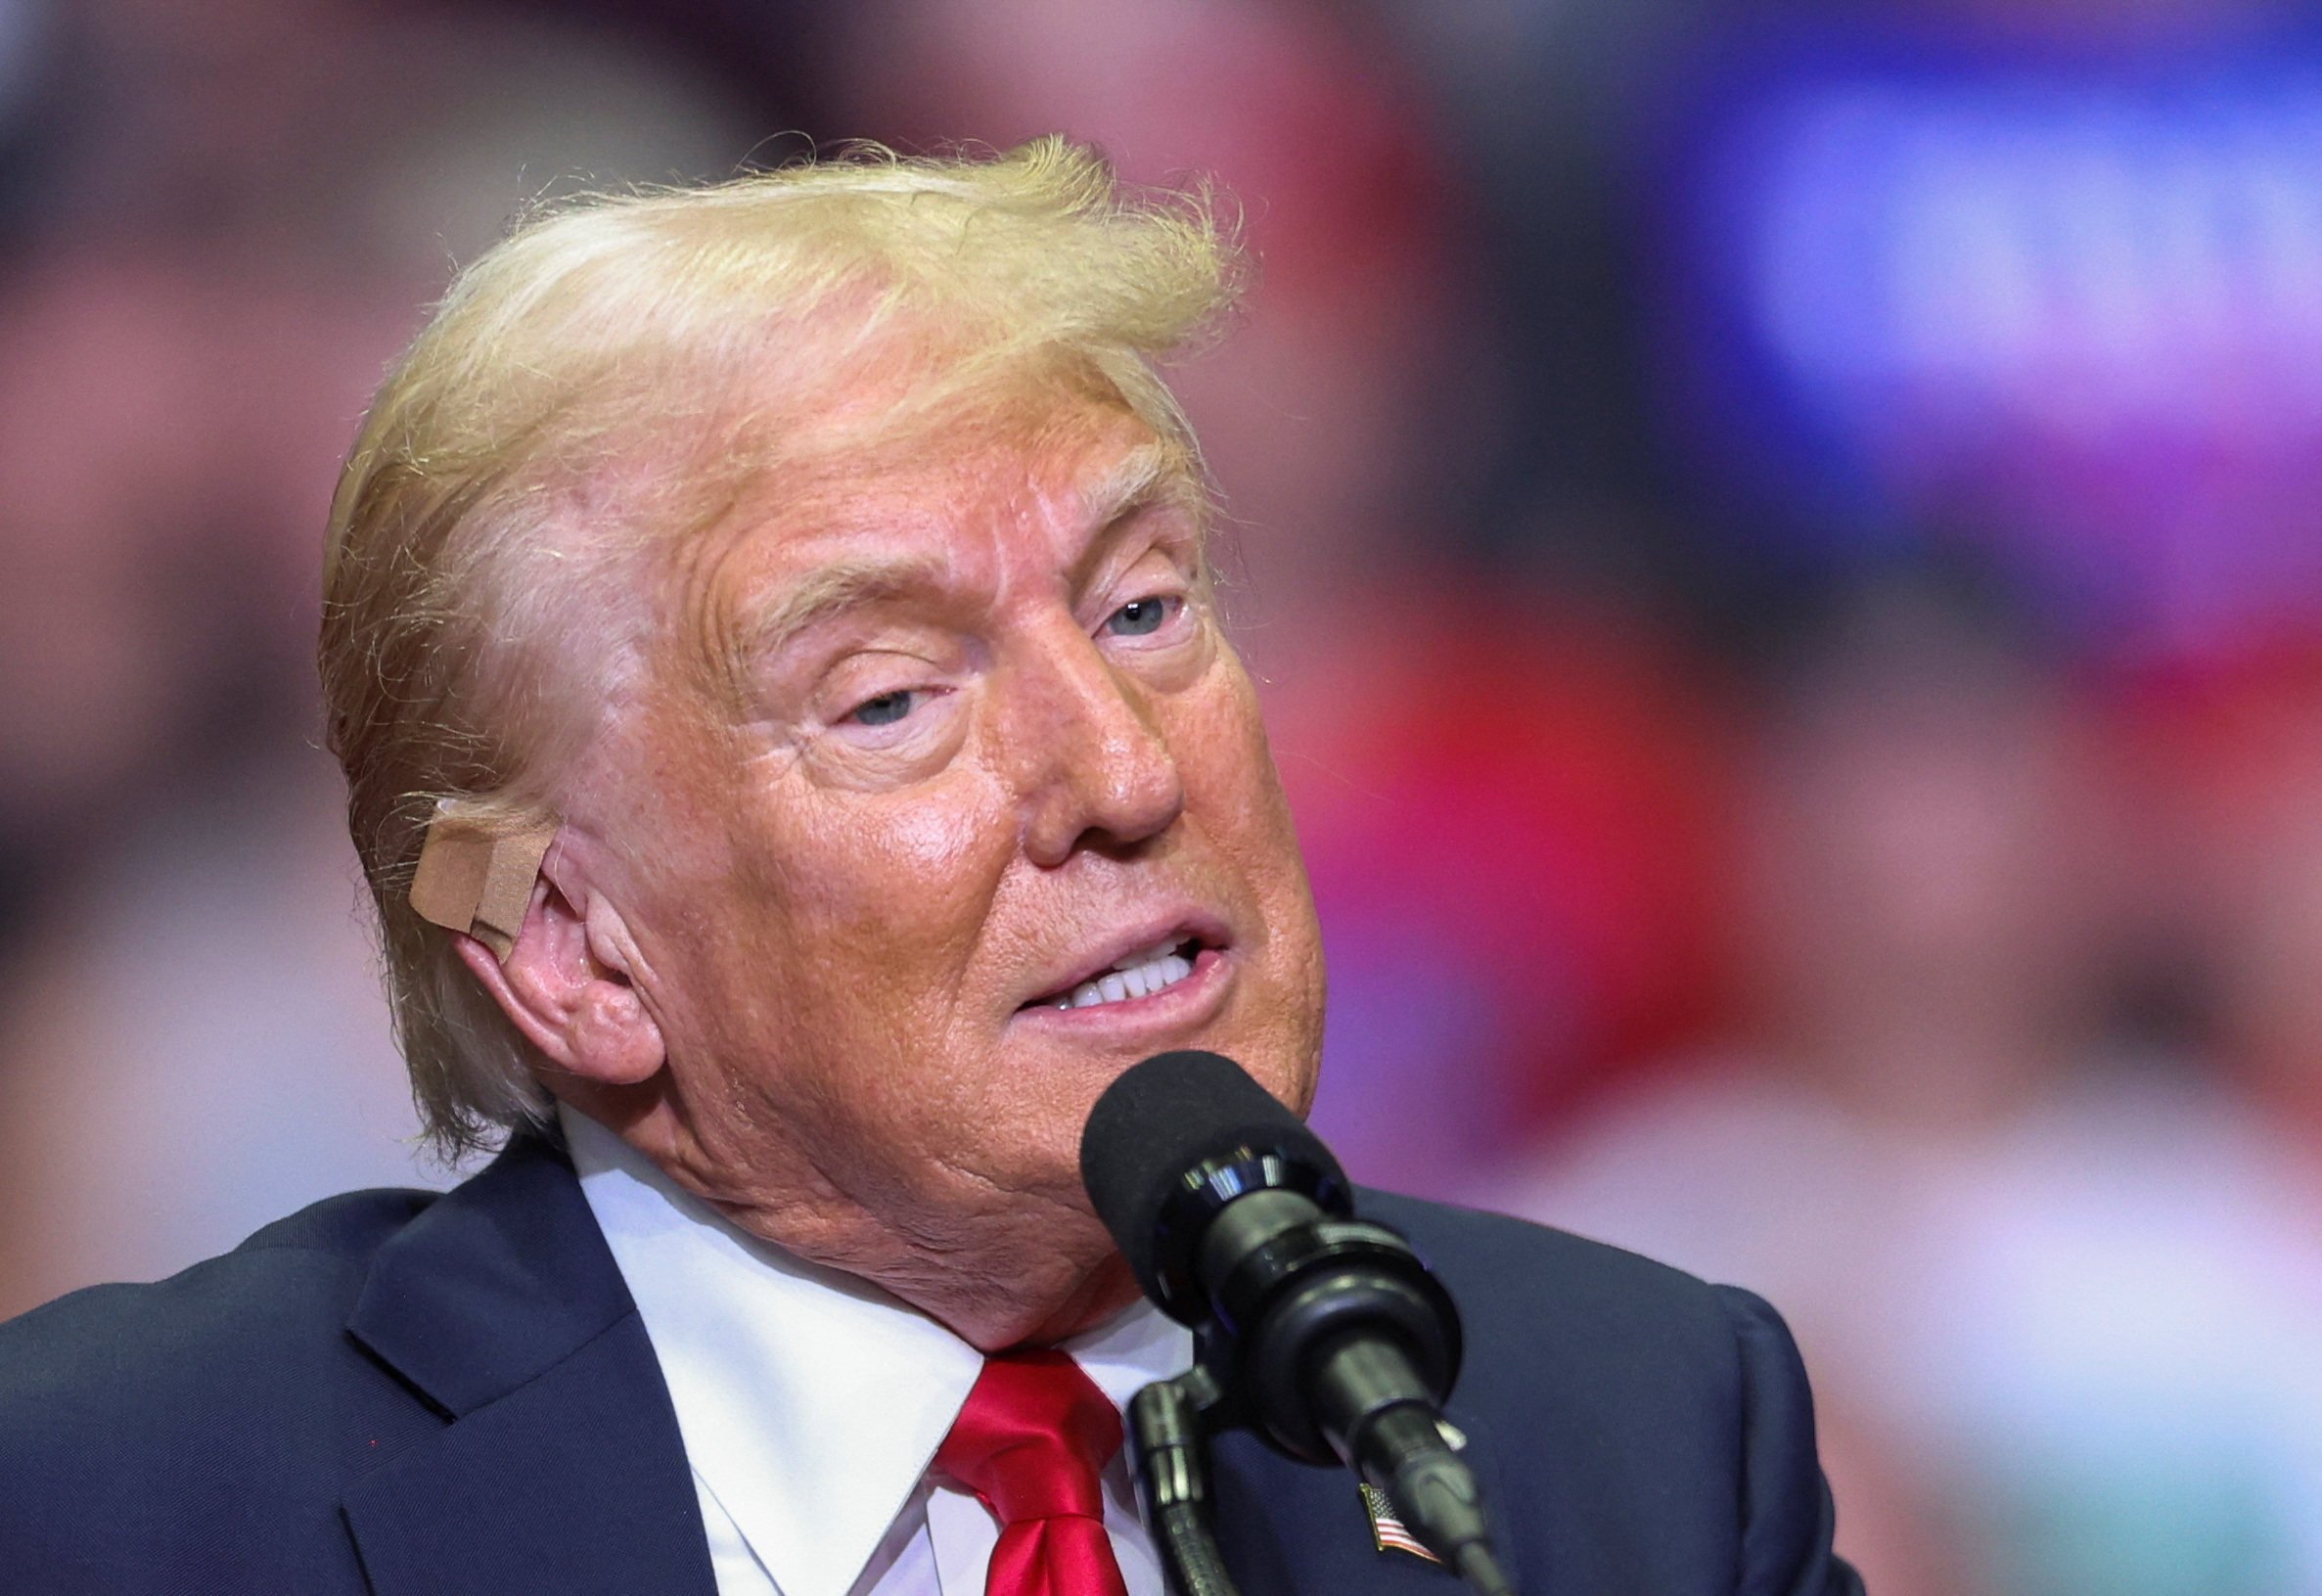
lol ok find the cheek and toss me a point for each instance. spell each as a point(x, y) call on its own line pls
point(1231, 785)
point(863, 913)
point(1228, 769)
point(889, 867)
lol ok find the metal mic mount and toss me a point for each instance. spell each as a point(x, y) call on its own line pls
point(1168, 1426)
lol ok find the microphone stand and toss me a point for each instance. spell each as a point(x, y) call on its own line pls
point(1168, 1421)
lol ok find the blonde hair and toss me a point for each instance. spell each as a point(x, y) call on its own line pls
point(615, 371)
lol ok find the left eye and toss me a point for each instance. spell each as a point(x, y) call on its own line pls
point(1140, 618)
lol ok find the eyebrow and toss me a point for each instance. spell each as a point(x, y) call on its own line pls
point(1150, 474)
point(832, 589)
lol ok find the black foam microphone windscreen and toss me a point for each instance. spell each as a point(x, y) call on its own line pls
point(1166, 1116)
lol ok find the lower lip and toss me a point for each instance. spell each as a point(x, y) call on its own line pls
point(1188, 1002)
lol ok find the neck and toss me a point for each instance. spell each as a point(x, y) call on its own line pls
point(1035, 1271)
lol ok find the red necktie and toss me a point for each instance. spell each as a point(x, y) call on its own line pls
point(1032, 1442)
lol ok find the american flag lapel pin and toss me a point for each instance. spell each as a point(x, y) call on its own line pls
point(1388, 1534)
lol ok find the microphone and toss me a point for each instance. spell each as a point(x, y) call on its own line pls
point(1328, 1333)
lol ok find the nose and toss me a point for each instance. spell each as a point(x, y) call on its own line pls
point(1099, 770)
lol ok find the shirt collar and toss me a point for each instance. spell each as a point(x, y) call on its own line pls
point(811, 1401)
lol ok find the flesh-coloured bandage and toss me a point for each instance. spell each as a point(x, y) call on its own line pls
point(477, 880)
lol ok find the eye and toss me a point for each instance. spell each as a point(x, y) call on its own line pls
point(886, 709)
point(1141, 617)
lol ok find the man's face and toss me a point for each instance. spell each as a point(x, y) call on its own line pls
point(943, 801)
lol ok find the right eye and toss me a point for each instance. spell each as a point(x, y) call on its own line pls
point(886, 709)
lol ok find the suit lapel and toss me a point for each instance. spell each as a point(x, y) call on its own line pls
point(560, 1467)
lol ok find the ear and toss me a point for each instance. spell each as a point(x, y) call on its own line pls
point(567, 982)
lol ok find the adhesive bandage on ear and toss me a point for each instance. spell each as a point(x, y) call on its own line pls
point(479, 881)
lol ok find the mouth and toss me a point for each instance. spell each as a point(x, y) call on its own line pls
point(1145, 972)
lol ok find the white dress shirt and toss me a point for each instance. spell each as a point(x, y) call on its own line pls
point(811, 1402)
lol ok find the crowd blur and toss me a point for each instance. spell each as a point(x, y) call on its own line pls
point(1782, 544)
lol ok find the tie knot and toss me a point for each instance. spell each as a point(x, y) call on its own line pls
point(1034, 1438)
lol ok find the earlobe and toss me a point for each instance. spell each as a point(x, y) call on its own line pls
point(566, 985)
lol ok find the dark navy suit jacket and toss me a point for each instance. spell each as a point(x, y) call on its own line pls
point(420, 1396)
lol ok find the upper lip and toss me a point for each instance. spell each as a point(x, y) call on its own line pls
point(1176, 925)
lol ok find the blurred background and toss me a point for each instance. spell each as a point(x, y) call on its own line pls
point(1784, 545)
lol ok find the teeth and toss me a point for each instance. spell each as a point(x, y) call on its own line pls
point(1152, 955)
point(1141, 974)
